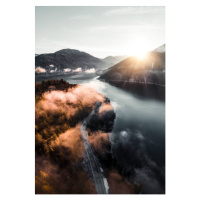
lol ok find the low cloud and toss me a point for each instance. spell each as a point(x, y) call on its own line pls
point(40, 70)
point(98, 141)
point(58, 142)
point(71, 139)
point(105, 108)
point(77, 70)
point(67, 70)
point(60, 101)
point(92, 70)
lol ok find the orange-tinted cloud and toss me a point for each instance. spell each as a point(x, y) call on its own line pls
point(59, 147)
point(71, 139)
point(68, 102)
point(105, 108)
point(98, 141)
point(77, 70)
point(40, 70)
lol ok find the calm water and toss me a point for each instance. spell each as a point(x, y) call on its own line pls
point(138, 137)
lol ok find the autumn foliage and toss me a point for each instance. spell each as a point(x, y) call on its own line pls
point(59, 151)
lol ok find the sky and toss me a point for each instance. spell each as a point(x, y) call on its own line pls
point(99, 31)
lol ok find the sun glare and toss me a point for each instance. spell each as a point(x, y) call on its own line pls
point(140, 54)
point(139, 49)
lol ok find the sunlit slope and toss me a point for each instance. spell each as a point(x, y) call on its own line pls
point(141, 76)
point(149, 69)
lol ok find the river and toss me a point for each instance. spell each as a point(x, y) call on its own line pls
point(138, 136)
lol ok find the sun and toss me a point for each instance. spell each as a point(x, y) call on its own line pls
point(140, 54)
point(139, 49)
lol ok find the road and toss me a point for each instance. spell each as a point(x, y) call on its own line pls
point(92, 161)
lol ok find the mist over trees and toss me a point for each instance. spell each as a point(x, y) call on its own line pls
point(60, 108)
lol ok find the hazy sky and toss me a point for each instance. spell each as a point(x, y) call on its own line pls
point(99, 31)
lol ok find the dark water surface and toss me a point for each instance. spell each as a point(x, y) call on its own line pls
point(138, 137)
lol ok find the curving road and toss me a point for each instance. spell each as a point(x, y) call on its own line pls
point(92, 161)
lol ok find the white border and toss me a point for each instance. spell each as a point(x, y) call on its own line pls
point(17, 98)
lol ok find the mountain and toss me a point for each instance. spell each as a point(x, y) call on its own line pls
point(112, 60)
point(132, 67)
point(160, 49)
point(69, 58)
point(142, 76)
